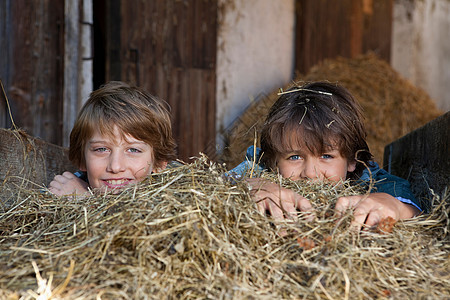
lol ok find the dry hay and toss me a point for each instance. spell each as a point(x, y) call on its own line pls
point(188, 233)
point(392, 105)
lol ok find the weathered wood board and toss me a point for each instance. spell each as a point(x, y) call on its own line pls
point(347, 28)
point(423, 157)
point(169, 48)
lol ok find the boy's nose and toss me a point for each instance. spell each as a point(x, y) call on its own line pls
point(116, 163)
point(310, 171)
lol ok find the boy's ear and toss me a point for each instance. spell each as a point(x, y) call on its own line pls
point(160, 166)
point(351, 166)
point(82, 168)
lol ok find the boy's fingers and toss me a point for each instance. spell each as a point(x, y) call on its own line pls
point(289, 208)
point(262, 202)
point(290, 202)
point(342, 204)
point(280, 202)
point(261, 207)
point(278, 209)
point(54, 184)
point(63, 178)
point(55, 188)
point(302, 203)
point(67, 183)
point(345, 203)
point(275, 211)
point(373, 218)
point(59, 179)
point(359, 213)
point(360, 217)
point(69, 175)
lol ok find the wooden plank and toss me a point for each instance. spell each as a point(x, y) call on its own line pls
point(5, 45)
point(175, 94)
point(327, 29)
point(422, 157)
point(378, 27)
point(36, 67)
point(356, 27)
point(169, 49)
point(204, 34)
point(322, 31)
point(185, 115)
point(113, 40)
point(71, 90)
point(28, 163)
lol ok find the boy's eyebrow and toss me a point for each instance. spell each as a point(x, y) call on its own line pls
point(96, 141)
point(291, 151)
point(302, 151)
point(107, 141)
point(137, 142)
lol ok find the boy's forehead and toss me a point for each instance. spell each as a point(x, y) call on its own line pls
point(301, 141)
point(112, 134)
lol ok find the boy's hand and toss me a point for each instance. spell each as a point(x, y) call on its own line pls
point(67, 184)
point(280, 202)
point(370, 209)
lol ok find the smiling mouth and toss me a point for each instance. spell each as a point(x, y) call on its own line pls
point(116, 183)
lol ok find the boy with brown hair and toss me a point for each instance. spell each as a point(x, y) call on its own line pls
point(121, 135)
point(316, 132)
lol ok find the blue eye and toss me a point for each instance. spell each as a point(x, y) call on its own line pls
point(100, 149)
point(294, 157)
point(134, 150)
point(326, 156)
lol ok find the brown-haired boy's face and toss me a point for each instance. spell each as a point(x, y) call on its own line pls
point(114, 162)
point(301, 163)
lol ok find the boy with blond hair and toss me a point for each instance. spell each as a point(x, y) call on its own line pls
point(121, 135)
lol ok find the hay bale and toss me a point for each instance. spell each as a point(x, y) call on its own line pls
point(391, 104)
point(28, 162)
point(188, 233)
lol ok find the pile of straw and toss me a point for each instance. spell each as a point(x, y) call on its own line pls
point(190, 233)
point(392, 105)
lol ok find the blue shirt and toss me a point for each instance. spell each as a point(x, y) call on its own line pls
point(383, 182)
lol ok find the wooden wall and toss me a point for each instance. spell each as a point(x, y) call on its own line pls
point(32, 54)
point(169, 48)
point(327, 29)
point(422, 157)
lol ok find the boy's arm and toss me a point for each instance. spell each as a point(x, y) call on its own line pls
point(390, 196)
point(371, 208)
point(249, 166)
point(384, 182)
point(68, 184)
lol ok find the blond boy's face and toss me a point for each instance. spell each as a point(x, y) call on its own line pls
point(115, 162)
point(302, 164)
